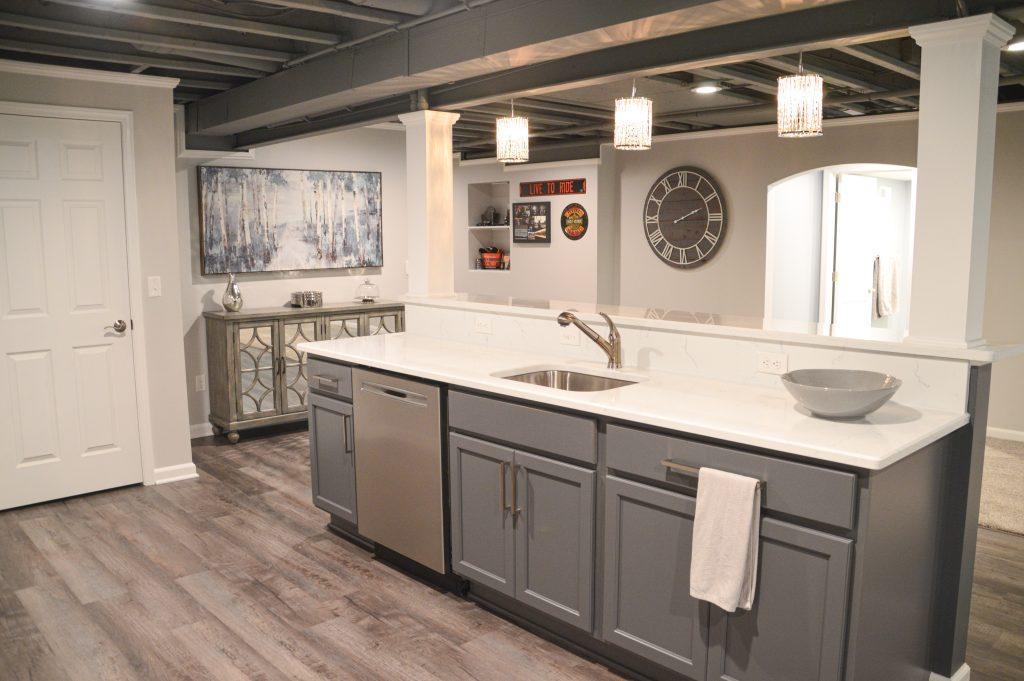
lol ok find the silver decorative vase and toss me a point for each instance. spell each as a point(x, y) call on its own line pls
point(232, 299)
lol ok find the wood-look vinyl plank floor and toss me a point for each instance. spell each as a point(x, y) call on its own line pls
point(233, 577)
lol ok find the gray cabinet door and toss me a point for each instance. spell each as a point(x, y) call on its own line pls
point(332, 456)
point(555, 538)
point(647, 605)
point(483, 543)
point(796, 628)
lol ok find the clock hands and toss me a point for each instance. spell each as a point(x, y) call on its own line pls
point(695, 210)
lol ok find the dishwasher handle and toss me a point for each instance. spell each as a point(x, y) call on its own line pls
point(404, 396)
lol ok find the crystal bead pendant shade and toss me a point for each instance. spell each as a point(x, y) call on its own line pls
point(800, 97)
point(633, 122)
point(512, 139)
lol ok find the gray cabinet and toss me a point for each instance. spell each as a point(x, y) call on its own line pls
point(483, 539)
point(522, 524)
point(648, 609)
point(796, 629)
point(332, 456)
point(257, 376)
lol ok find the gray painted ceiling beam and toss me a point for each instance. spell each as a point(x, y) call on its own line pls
point(845, 23)
point(879, 58)
point(343, 9)
point(471, 43)
point(206, 84)
point(818, 28)
point(137, 38)
point(180, 16)
point(122, 58)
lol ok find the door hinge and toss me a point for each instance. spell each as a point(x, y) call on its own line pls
point(835, 277)
point(838, 197)
point(131, 324)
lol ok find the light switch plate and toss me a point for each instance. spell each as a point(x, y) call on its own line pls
point(155, 287)
point(772, 362)
point(569, 335)
point(482, 324)
point(200, 383)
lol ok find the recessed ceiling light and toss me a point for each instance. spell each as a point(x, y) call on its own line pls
point(1016, 46)
point(707, 87)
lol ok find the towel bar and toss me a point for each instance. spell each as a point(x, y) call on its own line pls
point(692, 471)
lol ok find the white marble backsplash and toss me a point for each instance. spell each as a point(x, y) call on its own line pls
point(928, 383)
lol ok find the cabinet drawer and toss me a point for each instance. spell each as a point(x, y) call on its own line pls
point(572, 437)
point(794, 488)
point(330, 378)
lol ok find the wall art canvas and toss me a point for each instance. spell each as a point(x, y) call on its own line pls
point(270, 220)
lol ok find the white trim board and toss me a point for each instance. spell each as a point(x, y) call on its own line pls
point(1005, 434)
point(76, 73)
point(204, 429)
point(962, 674)
point(182, 471)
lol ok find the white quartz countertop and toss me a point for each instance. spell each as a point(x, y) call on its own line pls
point(750, 415)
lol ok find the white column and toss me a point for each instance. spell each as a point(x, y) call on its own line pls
point(428, 206)
point(955, 147)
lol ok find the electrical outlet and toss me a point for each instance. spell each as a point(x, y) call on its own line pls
point(482, 324)
point(569, 335)
point(155, 287)
point(772, 362)
point(200, 383)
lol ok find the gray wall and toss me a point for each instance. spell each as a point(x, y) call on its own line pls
point(362, 149)
point(1004, 309)
point(744, 164)
point(561, 270)
point(152, 109)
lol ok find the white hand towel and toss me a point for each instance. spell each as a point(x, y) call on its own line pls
point(726, 532)
point(886, 282)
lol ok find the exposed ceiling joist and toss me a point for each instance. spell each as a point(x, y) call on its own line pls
point(122, 58)
point(137, 38)
point(832, 76)
point(180, 16)
point(343, 9)
point(879, 58)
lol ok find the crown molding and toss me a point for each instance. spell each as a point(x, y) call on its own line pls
point(94, 75)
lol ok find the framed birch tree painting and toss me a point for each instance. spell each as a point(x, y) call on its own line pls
point(270, 220)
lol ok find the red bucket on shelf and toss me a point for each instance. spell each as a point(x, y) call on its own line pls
point(491, 261)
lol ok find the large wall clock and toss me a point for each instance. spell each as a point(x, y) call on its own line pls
point(684, 217)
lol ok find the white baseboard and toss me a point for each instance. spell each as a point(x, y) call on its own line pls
point(962, 674)
point(183, 471)
point(201, 429)
point(1005, 434)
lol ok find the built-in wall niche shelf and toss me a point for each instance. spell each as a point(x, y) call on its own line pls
point(480, 197)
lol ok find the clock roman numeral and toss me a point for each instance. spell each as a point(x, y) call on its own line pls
point(651, 219)
point(656, 237)
point(715, 217)
point(713, 238)
point(666, 250)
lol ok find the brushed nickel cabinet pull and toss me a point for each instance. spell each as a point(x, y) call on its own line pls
point(691, 471)
point(516, 510)
point(503, 504)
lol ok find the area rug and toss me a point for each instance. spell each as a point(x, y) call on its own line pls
point(1002, 486)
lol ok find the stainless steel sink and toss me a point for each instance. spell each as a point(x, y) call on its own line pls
point(573, 381)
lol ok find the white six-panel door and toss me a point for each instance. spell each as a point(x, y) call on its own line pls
point(68, 420)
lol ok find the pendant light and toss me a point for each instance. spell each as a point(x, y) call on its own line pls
point(512, 137)
point(800, 96)
point(633, 122)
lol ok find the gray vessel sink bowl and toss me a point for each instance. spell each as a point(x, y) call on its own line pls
point(572, 381)
point(840, 393)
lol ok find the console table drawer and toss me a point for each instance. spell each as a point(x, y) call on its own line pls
point(794, 488)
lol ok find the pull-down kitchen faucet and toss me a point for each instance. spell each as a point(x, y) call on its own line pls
point(612, 347)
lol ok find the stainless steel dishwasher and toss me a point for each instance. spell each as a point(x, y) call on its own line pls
point(398, 465)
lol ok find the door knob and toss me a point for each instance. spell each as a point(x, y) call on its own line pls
point(120, 326)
